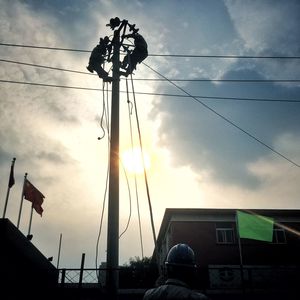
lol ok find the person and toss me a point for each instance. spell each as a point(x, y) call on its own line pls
point(139, 53)
point(97, 58)
point(113, 23)
point(180, 272)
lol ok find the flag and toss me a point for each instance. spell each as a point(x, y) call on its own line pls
point(255, 227)
point(32, 194)
point(11, 181)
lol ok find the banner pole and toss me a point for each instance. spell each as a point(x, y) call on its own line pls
point(59, 248)
point(30, 220)
point(21, 204)
point(11, 177)
point(240, 253)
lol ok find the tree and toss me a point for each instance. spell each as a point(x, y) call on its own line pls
point(138, 273)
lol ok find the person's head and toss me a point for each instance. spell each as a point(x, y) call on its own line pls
point(114, 22)
point(104, 41)
point(180, 263)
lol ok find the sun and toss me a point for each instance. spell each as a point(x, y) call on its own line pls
point(133, 162)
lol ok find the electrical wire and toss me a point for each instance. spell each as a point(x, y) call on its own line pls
point(156, 94)
point(43, 47)
point(106, 185)
point(130, 202)
point(221, 80)
point(226, 119)
point(130, 107)
point(225, 56)
point(158, 79)
point(45, 67)
point(159, 55)
point(103, 112)
point(144, 166)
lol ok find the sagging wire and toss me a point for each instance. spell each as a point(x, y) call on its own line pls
point(130, 108)
point(144, 165)
point(105, 116)
point(130, 202)
point(103, 112)
point(104, 106)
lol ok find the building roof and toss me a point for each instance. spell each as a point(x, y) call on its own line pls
point(21, 262)
point(188, 212)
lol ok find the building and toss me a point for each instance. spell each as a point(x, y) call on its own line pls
point(24, 269)
point(267, 267)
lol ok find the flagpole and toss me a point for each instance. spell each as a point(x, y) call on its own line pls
point(8, 186)
point(30, 220)
point(21, 204)
point(240, 252)
point(59, 248)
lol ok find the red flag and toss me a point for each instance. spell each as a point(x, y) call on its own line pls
point(32, 194)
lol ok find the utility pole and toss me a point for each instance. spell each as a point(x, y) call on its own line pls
point(112, 274)
point(112, 278)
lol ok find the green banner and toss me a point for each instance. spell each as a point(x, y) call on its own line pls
point(255, 227)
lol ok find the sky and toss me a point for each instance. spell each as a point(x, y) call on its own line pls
point(203, 152)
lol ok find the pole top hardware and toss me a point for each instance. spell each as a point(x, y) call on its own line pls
point(116, 22)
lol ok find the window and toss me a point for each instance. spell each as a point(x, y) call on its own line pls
point(224, 233)
point(279, 236)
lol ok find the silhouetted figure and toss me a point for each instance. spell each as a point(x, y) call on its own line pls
point(97, 58)
point(114, 22)
point(139, 53)
point(180, 273)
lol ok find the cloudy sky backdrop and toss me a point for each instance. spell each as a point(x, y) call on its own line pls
point(198, 158)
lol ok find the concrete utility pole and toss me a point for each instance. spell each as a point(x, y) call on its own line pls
point(112, 278)
point(119, 27)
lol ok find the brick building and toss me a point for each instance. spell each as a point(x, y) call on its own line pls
point(212, 233)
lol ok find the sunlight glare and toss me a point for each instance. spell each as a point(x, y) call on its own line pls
point(132, 160)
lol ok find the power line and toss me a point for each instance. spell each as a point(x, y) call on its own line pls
point(226, 119)
point(156, 79)
point(156, 94)
point(219, 80)
point(45, 67)
point(158, 55)
point(225, 56)
point(43, 47)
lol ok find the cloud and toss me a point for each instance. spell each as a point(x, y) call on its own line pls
point(200, 139)
point(267, 25)
point(205, 142)
point(53, 132)
point(43, 127)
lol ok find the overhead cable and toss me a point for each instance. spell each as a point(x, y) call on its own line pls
point(130, 107)
point(44, 67)
point(156, 79)
point(106, 115)
point(226, 119)
point(219, 80)
point(130, 205)
point(155, 94)
point(159, 55)
point(144, 166)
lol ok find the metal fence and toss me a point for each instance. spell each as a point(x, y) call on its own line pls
point(217, 277)
point(78, 276)
point(128, 277)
